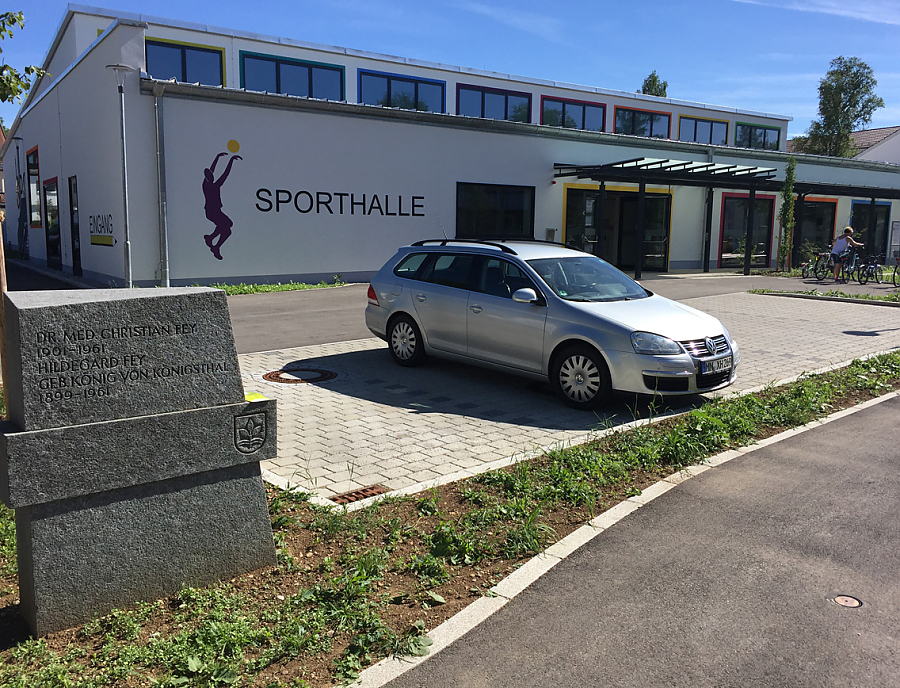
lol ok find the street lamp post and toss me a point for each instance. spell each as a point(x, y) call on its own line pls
point(121, 71)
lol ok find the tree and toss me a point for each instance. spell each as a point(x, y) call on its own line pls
point(847, 101)
point(786, 214)
point(654, 86)
point(14, 83)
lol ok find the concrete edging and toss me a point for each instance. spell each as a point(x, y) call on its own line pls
point(839, 299)
point(474, 614)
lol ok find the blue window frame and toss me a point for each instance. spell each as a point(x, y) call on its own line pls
point(291, 77)
point(401, 91)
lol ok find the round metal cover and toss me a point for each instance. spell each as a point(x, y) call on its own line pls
point(298, 375)
point(847, 601)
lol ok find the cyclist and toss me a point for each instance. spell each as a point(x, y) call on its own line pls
point(844, 242)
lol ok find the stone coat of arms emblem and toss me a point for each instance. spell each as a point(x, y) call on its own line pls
point(249, 432)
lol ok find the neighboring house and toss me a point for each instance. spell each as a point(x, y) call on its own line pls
point(880, 145)
point(256, 158)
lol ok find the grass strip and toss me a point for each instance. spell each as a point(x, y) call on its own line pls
point(833, 293)
point(232, 289)
point(353, 587)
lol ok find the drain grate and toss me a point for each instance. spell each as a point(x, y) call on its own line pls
point(296, 375)
point(357, 495)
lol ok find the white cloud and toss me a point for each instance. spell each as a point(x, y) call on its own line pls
point(877, 11)
point(542, 25)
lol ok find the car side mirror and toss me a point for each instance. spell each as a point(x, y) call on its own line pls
point(526, 295)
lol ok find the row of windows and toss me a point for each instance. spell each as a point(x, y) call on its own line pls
point(265, 73)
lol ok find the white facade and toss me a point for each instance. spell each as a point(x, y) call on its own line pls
point(326, 188)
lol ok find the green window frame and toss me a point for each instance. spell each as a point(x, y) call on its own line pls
point(758, 136)
point(321, 80)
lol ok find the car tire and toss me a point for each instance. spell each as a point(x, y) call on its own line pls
point(405, 342)
point(580, 378)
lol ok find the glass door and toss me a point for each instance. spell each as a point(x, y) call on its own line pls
point(51, 224)
point(656, 232)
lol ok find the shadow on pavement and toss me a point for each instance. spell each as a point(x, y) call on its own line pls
point(447, 387)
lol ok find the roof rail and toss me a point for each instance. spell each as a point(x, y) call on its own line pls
point(540, 241)
point(477, 242)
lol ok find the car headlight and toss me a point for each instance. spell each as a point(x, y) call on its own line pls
point(727, 334)
point(646, 343)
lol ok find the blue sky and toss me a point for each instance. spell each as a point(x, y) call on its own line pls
point(765, 55)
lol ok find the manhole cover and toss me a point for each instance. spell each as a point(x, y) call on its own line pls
point(847, 601)
point(294, 376)
point(357, 495)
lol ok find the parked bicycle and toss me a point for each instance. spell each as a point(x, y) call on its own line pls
point(870, 269)
point(850, 266)
point(896, 278)
point(808, 269)
point(824, 266)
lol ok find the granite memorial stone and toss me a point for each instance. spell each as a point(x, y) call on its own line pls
point(131, 455)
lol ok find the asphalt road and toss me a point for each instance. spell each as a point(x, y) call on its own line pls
point(726, 581)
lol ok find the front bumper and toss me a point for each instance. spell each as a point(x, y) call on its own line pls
point(668, 375)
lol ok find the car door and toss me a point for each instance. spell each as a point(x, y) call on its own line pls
point(440, 300)
point(499, 329)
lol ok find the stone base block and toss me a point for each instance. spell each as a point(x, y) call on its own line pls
point(87, 555)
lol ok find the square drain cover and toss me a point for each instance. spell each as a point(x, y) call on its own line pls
point(361, 493)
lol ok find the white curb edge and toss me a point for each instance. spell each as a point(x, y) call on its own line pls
point(454, 628)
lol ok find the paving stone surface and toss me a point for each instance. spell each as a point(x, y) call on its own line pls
point(379, 423)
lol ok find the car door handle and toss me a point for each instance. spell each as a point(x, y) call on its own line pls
point(420, 298)
point(476, 308)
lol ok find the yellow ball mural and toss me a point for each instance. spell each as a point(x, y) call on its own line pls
point(234, 146)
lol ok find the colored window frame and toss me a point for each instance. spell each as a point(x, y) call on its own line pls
point(569, 104)
point(629, 119)
point(33, 172)
point(859, 220)
point(185, 50)
point(393, 80)
point(689, 129)
point(312, 68)
point(494, 211)
point(483, 92)
point(757, 136)
point(737, 257)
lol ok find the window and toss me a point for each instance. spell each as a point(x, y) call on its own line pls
point(735, 213)
point(642, 123)
point(493, 211)
point(51, 222)
point(188, 63)
point(451, 270)
point(407, 93)
point(34, 188)
point(499, 277)
point(816, 231)
point(291, 77)
point(756, 136)
point(703, 131)
point(571, 114)
point(473, 101)
point(411, 266)
point(861, 212)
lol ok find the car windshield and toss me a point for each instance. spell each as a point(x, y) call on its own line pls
point(587, 278)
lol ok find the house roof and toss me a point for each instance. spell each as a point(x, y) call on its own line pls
point(869, 137)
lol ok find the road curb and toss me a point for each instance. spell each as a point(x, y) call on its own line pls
point(474, 614)
point(839, 299)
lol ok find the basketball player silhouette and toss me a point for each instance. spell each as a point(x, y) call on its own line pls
point(212, 192)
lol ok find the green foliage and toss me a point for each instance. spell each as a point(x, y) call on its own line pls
point(430, 570)
point(8, 562)
point(654, 86)
point(14, 83)
point(847, 101)
point(232, 289)
point(786, 213)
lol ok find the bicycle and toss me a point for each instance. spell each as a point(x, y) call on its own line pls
point(824, 266)
point(850, 266)
point(896, 278)
point(870, 269)
point(808, 269)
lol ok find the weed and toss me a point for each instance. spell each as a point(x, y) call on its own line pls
point(430, 570)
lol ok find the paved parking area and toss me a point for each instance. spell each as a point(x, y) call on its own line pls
point(378, 423)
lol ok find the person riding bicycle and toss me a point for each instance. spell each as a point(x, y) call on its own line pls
point(838, 251)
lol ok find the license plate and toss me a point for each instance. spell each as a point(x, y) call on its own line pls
point(717, 365)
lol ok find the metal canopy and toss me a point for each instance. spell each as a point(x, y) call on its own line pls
point(668, 172)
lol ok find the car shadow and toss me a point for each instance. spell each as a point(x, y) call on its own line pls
point(446, 387)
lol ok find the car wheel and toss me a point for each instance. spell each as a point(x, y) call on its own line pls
point(580, 377)
point(405, 341)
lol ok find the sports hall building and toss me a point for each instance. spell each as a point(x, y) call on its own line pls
point(255, 158)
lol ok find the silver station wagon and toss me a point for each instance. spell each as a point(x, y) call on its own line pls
point(548, 312)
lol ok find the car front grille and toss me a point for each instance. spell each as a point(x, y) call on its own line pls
point(713, 379)
point(665, 383)
point(697, 347)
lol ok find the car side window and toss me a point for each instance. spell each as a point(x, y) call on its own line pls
point(412, 266)
point(498, 277)
point(451, 270)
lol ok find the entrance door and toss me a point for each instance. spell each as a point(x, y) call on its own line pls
point(51, 224)
point(73, 223)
